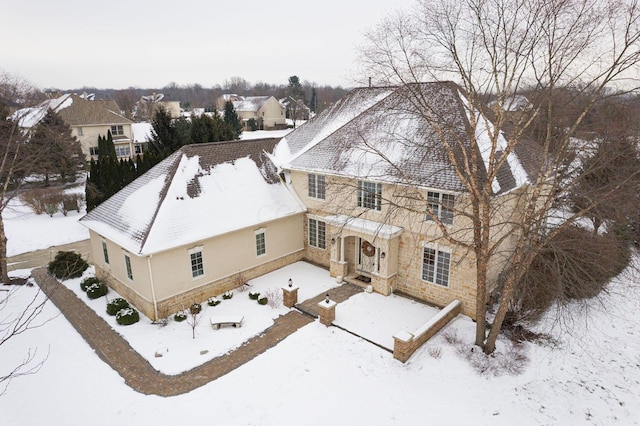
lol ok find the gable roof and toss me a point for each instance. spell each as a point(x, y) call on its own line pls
point(377, 134)
point(75, 111)
point(197, 193)
point(252, 103)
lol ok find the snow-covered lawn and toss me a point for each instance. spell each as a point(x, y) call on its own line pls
point(324, 375)
point(27, 231)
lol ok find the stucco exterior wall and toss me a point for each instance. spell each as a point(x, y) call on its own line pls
point(90, 133)
point(226, 260)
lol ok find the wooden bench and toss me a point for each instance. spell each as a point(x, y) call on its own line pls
point(234, 320)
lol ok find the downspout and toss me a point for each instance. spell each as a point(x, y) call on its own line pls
point(153, 290)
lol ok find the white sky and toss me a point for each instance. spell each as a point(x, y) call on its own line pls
point(142, 43)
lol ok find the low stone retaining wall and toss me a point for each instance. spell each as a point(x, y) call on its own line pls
point(406, 343)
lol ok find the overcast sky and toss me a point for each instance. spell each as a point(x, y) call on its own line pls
point(68, 44)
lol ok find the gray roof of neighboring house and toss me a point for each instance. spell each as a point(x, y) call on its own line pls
point(75, 111)
point(198, 192)
point(379, 134)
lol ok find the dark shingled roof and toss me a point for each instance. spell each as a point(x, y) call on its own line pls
point(209, 155)
point(398, 135)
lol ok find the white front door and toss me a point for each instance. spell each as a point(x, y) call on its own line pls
point(367, 254)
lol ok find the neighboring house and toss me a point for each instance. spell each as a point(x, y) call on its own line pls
point(147, 106)
point(353, 189)
point(141, 136)
point(268, 113)
point(88, 119)
point(191, 226)
point(296, 109)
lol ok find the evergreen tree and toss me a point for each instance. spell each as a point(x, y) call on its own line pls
point(232, 120)
point(53, 149)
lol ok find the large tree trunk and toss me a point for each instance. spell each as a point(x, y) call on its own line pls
point(3, 252)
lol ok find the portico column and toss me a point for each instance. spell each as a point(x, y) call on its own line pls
point(341, 249)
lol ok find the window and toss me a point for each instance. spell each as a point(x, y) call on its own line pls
point(127, 263)
point(117, 130)
point(105, 252)
point(93, 150)
point(138, 148)
point(261, 246)
point(435, 266)
point(441, 205)
point(197, 264)
point(123, 151)
point(79, 130)
point(317, 233)
point(316, 186)
point(369, 195)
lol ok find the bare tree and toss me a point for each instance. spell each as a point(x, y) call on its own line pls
point(498, 49)
point(14, 322)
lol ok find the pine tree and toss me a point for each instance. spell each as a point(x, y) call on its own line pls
point(232, 120)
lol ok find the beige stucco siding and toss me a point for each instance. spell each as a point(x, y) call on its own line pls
point(226, 255)
point(90, 133)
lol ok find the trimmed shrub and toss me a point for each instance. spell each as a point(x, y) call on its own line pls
point(127, 316)
point(213, 301)
point(96, 290)
point(117, 304)
point(67, 264)
point(87, 282)
point(254, 296)
point(263, 301)
point(180, 316)
point(195, 309)
point(228, 295)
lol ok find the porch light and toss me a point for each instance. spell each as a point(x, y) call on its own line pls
point(333, 241)
point(290, 283)
point(327, 299)
point(383, 255)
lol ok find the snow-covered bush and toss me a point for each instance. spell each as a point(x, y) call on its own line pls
point(87, 282)
point(213, 301)
point(227, 295)
point(180, 316)
point(254, 296)
point(96, 290)
point(195, 309)
point(275, 297)
point(127, 316)
point(114, 306)
point(263, 301)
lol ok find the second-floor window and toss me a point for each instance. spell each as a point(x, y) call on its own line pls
point(369, 195)
point(117, 130)
point(441, 205)
point(93, 150)
point(316, 186)
point(435, 266)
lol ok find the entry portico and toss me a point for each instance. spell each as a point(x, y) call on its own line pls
point(363, 250)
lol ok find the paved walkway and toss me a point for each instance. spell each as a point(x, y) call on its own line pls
point(337, 294)
point(138, 373)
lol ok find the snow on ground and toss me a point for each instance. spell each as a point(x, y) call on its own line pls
point(323, 375)
point(174, 341)
point(28, 232)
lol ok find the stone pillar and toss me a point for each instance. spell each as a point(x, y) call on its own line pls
point(289, 296)
point(327, 311)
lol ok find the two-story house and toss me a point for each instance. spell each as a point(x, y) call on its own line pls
point(266, 111)
point(356, 189)
point(88, 119)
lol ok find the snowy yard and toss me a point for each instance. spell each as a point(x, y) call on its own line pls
point(323, 375)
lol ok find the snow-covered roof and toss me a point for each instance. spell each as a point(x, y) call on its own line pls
point(199, 192)
point(251, 103)
point(74, 110)
point(376, 133)
point(141, 132)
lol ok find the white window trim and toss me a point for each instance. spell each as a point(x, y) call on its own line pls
point(128, 269)
point(315, 195)
point(255, 241)
point(360, 199)
point(437, 248)
point(310, 218)
point(105, 252)
point(427, 216)
point(194, 250)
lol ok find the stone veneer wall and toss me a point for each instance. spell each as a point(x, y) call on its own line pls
point(181, 301)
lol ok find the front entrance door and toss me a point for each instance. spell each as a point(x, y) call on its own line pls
point(367, 253)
